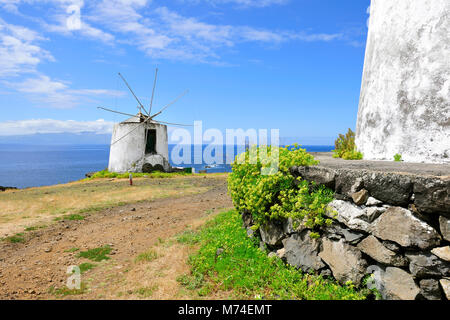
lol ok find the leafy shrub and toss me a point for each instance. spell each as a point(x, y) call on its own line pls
point(279, 195)
point(398, 157)
point(345, 147)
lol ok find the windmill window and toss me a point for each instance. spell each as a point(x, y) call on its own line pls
point(150, 146)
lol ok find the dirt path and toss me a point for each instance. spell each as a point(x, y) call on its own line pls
point(28, 270)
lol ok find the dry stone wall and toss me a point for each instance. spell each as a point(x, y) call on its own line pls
point(394, 226)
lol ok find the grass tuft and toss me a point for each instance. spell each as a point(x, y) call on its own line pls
point(68, 292)
point(146, 292)
point(17, 238)
point(96, 254)
point(243, 268)
point(86, 266)
point(147, 256)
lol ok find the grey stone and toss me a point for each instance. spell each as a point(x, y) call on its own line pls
point(272, 254)
point(281, 253)
point(372, 213)
point(397, 284)
point(250, 233)
point(427, 265)
point(247, 219)
point(326, 273)
point(348, 214)
point(391, 245)
point(432, 194)
point(373, 202)
point(401, 226)
point(444, 226)
point(271, 233)
point(429, 288)
point(389, 188)
point(360, 197)
point(375, 249)
point(445, 284)
point(336, 232)
point(319, 175)
point(345, 261)
point(302, 251)
point(288, 226)
point(348, 182)
point(442, 252)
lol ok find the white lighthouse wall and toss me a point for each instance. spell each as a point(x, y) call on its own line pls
point(128, 153)
point(405, 95)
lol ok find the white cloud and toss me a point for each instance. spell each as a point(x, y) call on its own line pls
point(28, 127)
point(19, 52)
point(243, 3)
point(165, 34)
point(56, 94)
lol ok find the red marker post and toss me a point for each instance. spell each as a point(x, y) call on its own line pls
point(131, 179)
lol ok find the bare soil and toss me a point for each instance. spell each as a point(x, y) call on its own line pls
point(29, 270)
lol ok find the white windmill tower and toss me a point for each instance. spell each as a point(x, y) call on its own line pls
point(140, 143)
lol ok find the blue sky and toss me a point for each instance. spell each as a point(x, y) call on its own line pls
point(293, 65)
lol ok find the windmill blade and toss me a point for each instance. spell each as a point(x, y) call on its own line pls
point(132, 130)
point(174, 124)
point(140, 103)
point(153, 92)
point(178, 98)
point(126, 114)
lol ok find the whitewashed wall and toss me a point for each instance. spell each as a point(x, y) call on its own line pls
point(128, 154)
point(405, 95)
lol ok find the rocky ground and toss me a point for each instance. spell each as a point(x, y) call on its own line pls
point(31, 269)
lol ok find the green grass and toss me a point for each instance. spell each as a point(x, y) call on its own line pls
point(189, 237)
point(17, 238)
point(146, 292)
point(72, 250)
point(72, 217)
point(156, 174)
point(68, 292)
point(86, 266)
point(147, 256)
point(96, 254)
point(247, 271)
point(34, 228)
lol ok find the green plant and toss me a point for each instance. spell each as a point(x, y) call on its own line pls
point(147, 256)
point(66, 291)
point(345, 147)
point(126, 175)
point(397, 157)
point(96, 254)
point(279, 195)
point(146, 292)
point(17, 238)
point(247, 272)
point(86, 266)
point(74, 217)
point(72, 250)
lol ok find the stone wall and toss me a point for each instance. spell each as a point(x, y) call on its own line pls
point(395, 226)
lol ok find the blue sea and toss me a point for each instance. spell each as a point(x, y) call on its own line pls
point(25, 166)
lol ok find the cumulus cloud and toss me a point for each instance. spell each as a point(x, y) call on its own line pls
point(19, 50)
point(57, 94)
point(242, 3)
point(34, 126)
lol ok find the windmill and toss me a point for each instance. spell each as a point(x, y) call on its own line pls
point(140, 143)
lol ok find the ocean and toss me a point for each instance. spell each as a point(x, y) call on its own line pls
point(24, 166)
